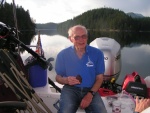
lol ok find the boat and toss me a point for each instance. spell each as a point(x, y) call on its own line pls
point(33, 96)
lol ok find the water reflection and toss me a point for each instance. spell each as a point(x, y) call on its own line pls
point(49, 32)
point(135, 58)
point(135, 50)
point(51, 46)
point(123, 38)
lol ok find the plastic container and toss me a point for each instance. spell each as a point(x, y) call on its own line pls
point(37, 76)
point(116, 107)
point(147, 80)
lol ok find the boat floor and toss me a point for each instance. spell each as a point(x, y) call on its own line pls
point(50, 97)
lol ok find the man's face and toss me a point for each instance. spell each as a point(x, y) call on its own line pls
point(79, 38)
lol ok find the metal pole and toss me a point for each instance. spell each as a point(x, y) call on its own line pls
point(15, 21)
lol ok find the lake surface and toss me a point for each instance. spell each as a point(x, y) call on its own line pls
point(135, 51)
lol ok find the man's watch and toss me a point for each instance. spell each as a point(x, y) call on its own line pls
point(92, 92)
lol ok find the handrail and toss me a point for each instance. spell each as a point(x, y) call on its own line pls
point(13, 104)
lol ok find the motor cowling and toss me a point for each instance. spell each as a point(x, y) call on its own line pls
point(112, 56)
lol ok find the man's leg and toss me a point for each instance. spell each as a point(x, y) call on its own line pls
point(96, 106)
point(68, 101)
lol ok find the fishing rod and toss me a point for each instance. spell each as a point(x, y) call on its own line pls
point(1, 2)
point(15, 21)
point(9, 34)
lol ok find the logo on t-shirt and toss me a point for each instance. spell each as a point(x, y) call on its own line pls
point(89, 63)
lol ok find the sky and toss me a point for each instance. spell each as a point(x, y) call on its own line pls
point(45, 11)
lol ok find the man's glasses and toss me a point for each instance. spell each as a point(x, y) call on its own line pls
point(79, 37)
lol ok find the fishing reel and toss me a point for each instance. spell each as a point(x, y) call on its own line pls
point(5, 33)
point(8, 35)
point(4, 30)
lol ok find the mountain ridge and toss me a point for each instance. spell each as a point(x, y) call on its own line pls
point(52, 25)
point(135, 15)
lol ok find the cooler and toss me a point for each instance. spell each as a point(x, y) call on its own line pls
point(37, 76)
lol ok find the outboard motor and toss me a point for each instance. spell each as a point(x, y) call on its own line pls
point(111, 50)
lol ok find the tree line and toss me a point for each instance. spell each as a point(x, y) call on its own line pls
point(100, 19)
point(24, 21)
point(107, 19)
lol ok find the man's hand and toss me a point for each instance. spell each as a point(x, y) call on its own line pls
point(141, 104)
point(72, 80)
point(86, 101)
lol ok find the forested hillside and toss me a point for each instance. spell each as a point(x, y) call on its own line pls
point(25, 23)
point(107, 19)
point(102, 19)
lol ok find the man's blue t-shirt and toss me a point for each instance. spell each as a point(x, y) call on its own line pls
point(88, 67)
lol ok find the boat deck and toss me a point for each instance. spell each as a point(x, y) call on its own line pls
point(50, 96)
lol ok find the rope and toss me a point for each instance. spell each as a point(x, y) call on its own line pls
point(18, 83)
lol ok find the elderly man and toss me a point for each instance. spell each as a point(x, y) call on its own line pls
point(80, 68)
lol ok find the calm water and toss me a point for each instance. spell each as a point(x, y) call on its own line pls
point(135, 51)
